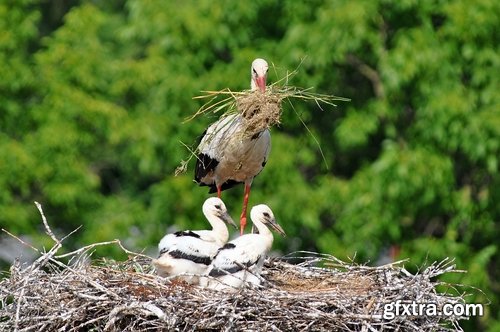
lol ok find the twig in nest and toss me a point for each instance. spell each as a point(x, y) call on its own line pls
point(44, 220)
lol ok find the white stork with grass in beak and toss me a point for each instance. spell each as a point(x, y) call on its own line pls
point(240, 261)
point(226, 156)
point(188, 253)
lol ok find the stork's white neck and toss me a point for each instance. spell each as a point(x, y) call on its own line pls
point(219, 228)
point(263, 229)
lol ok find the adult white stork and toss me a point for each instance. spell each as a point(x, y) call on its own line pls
point(227, 157)
point(190, 252)
point(240, 261)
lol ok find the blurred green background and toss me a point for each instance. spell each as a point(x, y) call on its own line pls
point(93, 96)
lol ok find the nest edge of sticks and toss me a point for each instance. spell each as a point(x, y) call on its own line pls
point(300, 291)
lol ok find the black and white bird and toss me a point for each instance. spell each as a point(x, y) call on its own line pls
point(187, 254)
point(240, 261)
point(227, 157)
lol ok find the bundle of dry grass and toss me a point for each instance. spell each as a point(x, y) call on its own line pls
point(259, 110)
point(70, 292)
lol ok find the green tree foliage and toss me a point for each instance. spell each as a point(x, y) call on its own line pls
point(93, 100)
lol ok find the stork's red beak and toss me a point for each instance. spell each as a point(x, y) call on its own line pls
point(260, 81)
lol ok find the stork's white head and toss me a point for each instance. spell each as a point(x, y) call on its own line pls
point(259, 74)
point(264, 214)
point(216, 207)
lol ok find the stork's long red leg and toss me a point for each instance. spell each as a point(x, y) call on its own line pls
point(219, 191)
point(243, 217)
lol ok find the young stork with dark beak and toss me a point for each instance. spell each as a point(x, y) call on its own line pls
point(187, 254)
point(240, 261)
point(227, 157)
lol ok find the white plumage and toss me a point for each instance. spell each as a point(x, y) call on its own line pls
point(240, 261)
point(190, 252)
point(226, 156)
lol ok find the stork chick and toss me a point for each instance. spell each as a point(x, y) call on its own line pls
point(240, 261)
point(187, 254)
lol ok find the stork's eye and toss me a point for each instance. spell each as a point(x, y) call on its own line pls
point(266, 214)
point(218, 207)
point(254, 71)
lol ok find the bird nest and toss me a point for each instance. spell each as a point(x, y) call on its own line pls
point(304, 291)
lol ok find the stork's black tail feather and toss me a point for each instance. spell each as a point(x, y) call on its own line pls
point(226, 185)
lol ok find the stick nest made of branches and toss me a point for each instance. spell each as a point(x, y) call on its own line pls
point(301, 292)
point(128, 296)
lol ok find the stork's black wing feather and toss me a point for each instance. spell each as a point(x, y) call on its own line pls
point(235, 267)
point(204, 165)
point(186, 233)
point(226, 185)
point(227, 246)
point(205, 260)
